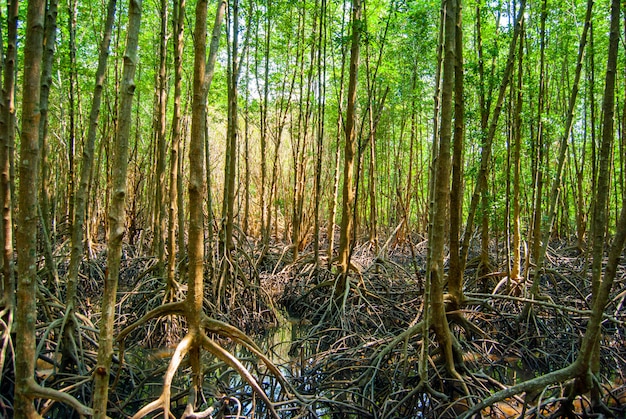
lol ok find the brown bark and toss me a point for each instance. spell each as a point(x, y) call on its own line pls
point(558, 179)
point(539, 141)
point(485, 158)
point(80, 206)
point(517, 152)
point(161, 109)
point(7, 144)
point(195, 247)
point(46, 82)
point(117, 213)
point(347, 216)
point(455, 275)
point(178, 20)
point(441, 193)
point(26, 237)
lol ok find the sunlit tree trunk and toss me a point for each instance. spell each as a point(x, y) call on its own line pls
point(441, 193)
point(348, 204)
point(26, 237)
point(117, 213)
point(517, 155)
point(195, 247)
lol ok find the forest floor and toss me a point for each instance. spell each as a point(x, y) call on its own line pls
point(350, 358)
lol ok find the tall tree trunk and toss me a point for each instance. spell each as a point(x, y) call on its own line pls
point(26, 237)
point(441, 194)
point(227, 243)
point(195, 295)
point(300, 149)
point(601, 286)
point(455, 275)
point(517, 154)
point(71, 140)
point(80, 206)
point(46, 82)
point(332, 210)
point(485, 158)
point(7, 144)
point(230, 164)
point(558, 177)
point(348, 204)
point(117, 212)
point(161, 109)
point(178, 20)
point(321, 107)
point(539, 141)
point(263, 106)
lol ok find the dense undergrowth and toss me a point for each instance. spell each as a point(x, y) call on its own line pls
point(343, 358)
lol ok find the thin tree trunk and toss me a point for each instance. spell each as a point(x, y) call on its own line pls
point(321, 94)
point(517, 151)
point(7, 144)
point(80, 206)
point(26, 237)
point(455, 275)
point(332, 211)
point(348, 204)
point(540, 147)
point(441, 194)
point(46, 82)
point(558, 177)
point(117, 212)
point(195, 295)
point(227, 243)
point(71, 141)
point(161, 109)
point(481, 181)
point(590, 347)
point(178, 20)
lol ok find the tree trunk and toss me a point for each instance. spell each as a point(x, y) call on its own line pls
point(117, 212)
point(178, 20)
point(71, 140)
point(558, 177)
point(227, 243)
point(539, 141)
point(347, 216)
point(441, 193)
point(26, 237)
point(46, 82)
point(80, 206)
point(517, 155)
point(7, 144)
point(455, 276)
point(590, 348)
point(161, 109)
point(481, 181)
